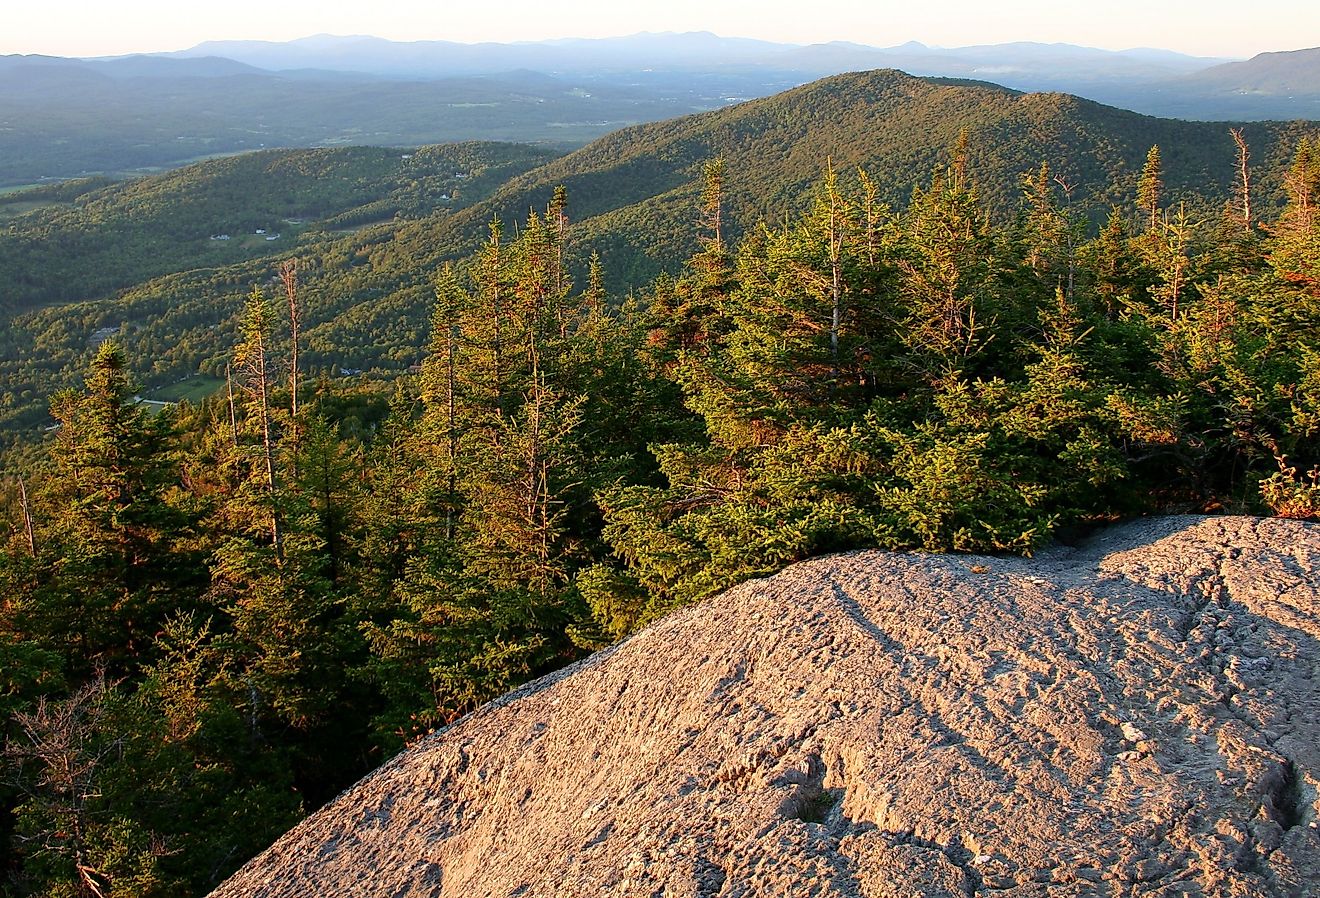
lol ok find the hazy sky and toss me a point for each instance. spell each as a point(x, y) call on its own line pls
point(1203, 27)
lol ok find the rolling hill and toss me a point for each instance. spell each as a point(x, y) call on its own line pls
point(643, 180)
point(228, 210)
point(632, 197)
point(1285, 85)
point(1287, 73)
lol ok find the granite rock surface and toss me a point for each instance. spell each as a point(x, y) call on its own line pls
point(1136, 715)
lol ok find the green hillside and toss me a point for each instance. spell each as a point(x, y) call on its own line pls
point(632, 198)
point(227, 210)
point(639, 185)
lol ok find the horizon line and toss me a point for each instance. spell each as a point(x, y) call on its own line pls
point(914, 43)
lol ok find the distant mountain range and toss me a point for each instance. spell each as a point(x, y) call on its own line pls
point(1282, 85)
point(1266, 74)
point(136, 66)
point(68, 117)
point(699, 50)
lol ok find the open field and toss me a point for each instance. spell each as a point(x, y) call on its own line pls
point(193, 389)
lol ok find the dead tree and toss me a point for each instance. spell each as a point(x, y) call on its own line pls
point(1244, 177)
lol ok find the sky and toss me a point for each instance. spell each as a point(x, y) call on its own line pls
point(1227, 28)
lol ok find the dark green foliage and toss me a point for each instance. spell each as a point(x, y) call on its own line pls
point(927, 380)
point(533, 395)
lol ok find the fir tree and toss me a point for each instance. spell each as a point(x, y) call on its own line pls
point(1149, 187)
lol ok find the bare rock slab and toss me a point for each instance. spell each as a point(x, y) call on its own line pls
point(1136, 716)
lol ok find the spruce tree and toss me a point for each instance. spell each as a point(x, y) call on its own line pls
point(1149, 187)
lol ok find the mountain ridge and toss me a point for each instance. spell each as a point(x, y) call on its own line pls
point(1274, 72)
point(57, 120)
point(869, 119)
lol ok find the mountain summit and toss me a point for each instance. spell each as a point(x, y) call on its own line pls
point(1135, 716)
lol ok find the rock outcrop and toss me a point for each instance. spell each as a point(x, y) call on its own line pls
point(1136, 716)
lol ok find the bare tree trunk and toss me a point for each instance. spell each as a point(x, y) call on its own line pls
point(256, 367)
point(1068, 187)
point(498, 312)
point(56, 737)
point(233, 419)
point(1244, 176)
point(268, 447)
point(532, 499)
point(559, 222)
point(712, 201)
point(536, 499)
point(289, 275)
point(27, 518)
point(836, 281)
point(451, 427)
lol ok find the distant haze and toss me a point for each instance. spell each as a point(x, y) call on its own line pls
point(1200, 27)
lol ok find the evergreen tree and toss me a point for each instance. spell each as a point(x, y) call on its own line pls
point(1149, 187)
point(108, 568)
point(255, 362)
point(947, 277)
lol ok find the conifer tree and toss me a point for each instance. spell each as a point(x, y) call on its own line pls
point(109, 537)
point(1050, 234)
point(441, 389)
point(255, 363)
point(289, 278)
point(688, 312)
point(947, 276)
point(1149, 187)
point(1297, 232)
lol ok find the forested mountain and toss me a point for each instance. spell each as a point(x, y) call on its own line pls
point(1283, 85)
point(1287, 73)
point(636, 187)
point(632, 200)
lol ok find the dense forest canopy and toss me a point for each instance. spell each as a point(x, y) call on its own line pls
point(214, 617)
